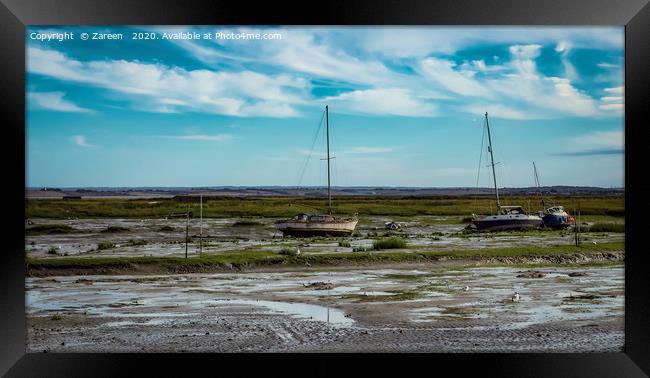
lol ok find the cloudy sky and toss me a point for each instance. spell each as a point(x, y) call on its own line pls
point(406, 107)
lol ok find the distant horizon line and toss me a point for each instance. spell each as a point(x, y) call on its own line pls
point(313, 187)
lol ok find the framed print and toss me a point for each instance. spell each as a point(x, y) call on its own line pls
point(216, 181)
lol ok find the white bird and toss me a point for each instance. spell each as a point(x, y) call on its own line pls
point(298, 250)
point(466, 288)
point(307, 264)
point(515, 298)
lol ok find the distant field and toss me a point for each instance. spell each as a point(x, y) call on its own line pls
point(289, 206)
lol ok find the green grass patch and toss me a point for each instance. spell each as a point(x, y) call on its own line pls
point(407, 277)
point(47, 229)
point(252, 257)
point(56, 317)
point(288, 251)
point(604, 227)
point(344, 243)
point(389, 243)
point(52, 250)
point(392, 206)
point(396, 297)
point(102, 245)
point(136, 242)
point(166, 229)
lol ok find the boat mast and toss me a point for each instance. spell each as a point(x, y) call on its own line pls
point(329, 189)
point(539, 191)
point(494, 175)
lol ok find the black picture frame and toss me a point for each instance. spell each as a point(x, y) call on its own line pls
point(633, 14)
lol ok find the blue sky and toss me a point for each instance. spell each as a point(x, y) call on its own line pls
point(406, 107)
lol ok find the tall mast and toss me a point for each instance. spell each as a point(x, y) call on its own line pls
point(329, 189)
point(494, 175)
point(539, 190)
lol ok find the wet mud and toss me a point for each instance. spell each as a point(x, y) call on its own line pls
point(402, 309)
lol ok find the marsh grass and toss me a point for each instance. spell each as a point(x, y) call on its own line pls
point(48, 229)
point(389, 243)
point(394, 297)
point(344, 243)
point(604, 227)
point(136, 242)
point(407, 277)
point(288, 251)
point(289, 206)
point(102, 245)
point(253, 257)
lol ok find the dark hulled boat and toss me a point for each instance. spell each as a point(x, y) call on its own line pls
point(553, 216)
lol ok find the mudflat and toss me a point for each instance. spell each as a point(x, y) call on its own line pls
point(414, 308)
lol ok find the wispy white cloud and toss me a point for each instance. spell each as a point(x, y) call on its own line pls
point(367, 63)
point(564, 49)
point(596, 143)
point(161, 88)
point(480, 66)
point(80, 141)
point(443, 73)
point(418, 42)
point(607, 65)
point(499, 111)
point(613, 101)
point(379, 102)
point(545, 97)
point(615, 90)
point(54, 101)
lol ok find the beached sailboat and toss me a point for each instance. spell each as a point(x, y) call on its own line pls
point(507, 217)
point(319, 224)
point(553, 216)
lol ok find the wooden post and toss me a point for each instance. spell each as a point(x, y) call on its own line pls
point(187, 228)
point(575, 229)
point(201, 232)
point(578, 240)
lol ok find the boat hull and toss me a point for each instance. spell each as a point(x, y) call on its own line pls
point(496, 223)
point(298, 228)
point(557, 221)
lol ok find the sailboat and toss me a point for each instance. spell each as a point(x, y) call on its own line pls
point(553, 216)
point(507, 217)
point(319, 224)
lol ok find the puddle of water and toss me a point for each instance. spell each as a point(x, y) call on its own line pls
point(300, 310)
point(171, 297)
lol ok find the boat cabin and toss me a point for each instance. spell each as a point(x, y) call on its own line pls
point(313, 218)
point(511, 210)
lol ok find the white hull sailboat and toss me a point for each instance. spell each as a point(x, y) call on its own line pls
point(318, 224)
point(313, 225)
point(507, 217)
